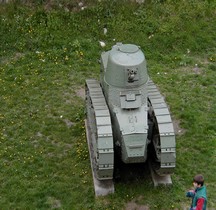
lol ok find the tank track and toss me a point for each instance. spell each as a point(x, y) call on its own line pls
point(100, 129)
point(164, 136)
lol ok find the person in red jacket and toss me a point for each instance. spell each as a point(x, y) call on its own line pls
point(198, 195)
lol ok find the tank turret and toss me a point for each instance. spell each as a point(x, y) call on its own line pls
point(124, 66)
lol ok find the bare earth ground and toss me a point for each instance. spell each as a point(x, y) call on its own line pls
point(133, 206)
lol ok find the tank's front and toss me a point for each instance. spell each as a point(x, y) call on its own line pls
point(132, 134)
point(126, 78)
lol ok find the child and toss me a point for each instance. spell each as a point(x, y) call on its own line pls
point(199, 198)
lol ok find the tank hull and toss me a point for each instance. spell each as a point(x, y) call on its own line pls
point(127, 117)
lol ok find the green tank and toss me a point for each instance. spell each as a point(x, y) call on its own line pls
point(127, 116)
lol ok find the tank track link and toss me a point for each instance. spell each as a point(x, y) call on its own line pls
point(100, 129)
point(164, 139)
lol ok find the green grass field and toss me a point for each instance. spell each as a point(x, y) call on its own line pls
point(49, 48)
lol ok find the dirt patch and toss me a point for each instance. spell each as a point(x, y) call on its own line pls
point(178, 130)
point(68, 123)
point(15, 57)
point(133, 206)
point(81, 93)
point(53, 203)
point(138, 1)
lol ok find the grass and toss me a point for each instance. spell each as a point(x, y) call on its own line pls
point(48, 49)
